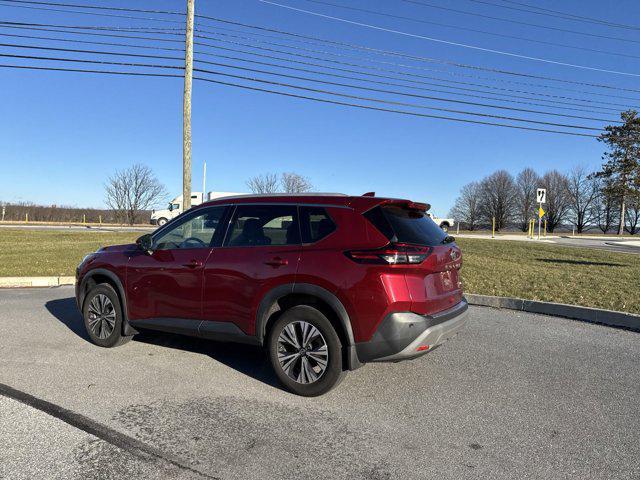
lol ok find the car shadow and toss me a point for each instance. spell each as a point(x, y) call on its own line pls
point(580, 262)
point(247, 359)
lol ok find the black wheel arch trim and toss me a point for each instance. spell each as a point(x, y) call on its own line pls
point(269, 304)
point(127, 329)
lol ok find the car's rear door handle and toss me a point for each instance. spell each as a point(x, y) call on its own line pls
point(192, 264)
point(277, 262)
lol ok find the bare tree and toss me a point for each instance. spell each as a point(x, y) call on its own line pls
point(527, 182)
point(294, 183)
point(466, 209)
point(605, 207)
point(498, 198)
point(633, 214)
point(267, 183)
point(558, 202)
point(583, 190)
point(130, 191)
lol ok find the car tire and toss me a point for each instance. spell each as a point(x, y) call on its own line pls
point(296, 363)
point(102, 314)
point(162, 221)
point(444, 227)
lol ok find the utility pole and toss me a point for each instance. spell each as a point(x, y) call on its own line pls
point(186, 126)
point(204, 182)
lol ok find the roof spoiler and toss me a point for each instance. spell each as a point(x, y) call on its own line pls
point(421, 207)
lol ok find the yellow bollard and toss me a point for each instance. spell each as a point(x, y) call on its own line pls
point(84, 218)
point(100, 219)
point(26, 218)
point(493, 227)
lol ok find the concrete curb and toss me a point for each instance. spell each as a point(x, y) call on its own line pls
point(10, 282)
point(574, 312)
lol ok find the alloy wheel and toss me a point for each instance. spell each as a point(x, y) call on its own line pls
point(102, 316)
point(302, 352)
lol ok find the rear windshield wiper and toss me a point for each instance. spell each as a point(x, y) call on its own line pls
point(448, 239)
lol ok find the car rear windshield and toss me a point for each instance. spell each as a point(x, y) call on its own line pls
point(406, 226)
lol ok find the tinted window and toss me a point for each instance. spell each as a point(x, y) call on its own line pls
point(195, 231)
point(407, 226)
point(255, 225)
point(316, 224)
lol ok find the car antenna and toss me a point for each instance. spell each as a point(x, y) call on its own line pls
point(369, 194)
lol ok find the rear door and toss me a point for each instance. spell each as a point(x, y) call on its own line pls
point(434, 283)
point(261, 250)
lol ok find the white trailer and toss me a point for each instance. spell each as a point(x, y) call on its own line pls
point(160, 217)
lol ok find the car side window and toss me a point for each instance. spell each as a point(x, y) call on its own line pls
point(316, 224)
point(257, 225)
point(195, 231)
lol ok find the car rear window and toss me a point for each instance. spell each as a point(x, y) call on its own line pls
point(406, 226)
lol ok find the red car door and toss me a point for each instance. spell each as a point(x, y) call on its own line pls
point(167, 283)
point(262, 250)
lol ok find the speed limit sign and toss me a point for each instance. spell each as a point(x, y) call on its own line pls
point(541, 195)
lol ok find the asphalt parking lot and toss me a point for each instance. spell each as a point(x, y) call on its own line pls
point(514, 395)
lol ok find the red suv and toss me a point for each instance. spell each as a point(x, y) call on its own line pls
point(324, 282)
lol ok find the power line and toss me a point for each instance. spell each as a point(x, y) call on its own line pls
point(449, 42)
point(570, 14)
point(389, 63)
point(566, 115)
point(440, 117)
point(75, 41)
point(556, 14)
point(96, 62)
point(467, 29)
point(364, 66)
point(281, 84)
point(418, 58)
point(109, 72)
point(321, 100)
point(164, 57)
point(388, 102)
point(99, 52)
point(422, 58)
point(518, 22)
point(95, 7)
point(510, 99)
point(80, 12)
point(392, 92)
point(93, 34)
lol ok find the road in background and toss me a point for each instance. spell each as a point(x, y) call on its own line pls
point(514, 395)
point(83, 228)
point(610, 244)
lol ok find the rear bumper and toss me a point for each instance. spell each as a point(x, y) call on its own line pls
point(406, 335)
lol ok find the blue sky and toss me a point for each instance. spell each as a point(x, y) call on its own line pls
point(63, 134)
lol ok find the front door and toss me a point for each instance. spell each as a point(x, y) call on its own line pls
point(168, 282)
point(261, 250)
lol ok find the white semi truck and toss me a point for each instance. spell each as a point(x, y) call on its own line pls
point(160, 217)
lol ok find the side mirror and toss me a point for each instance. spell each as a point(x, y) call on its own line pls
point(145, 243)
point(171, 207)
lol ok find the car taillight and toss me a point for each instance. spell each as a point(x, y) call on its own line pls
point(393, 254)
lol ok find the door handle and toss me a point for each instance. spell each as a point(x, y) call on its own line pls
point(277, 262)
point(192, 264)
